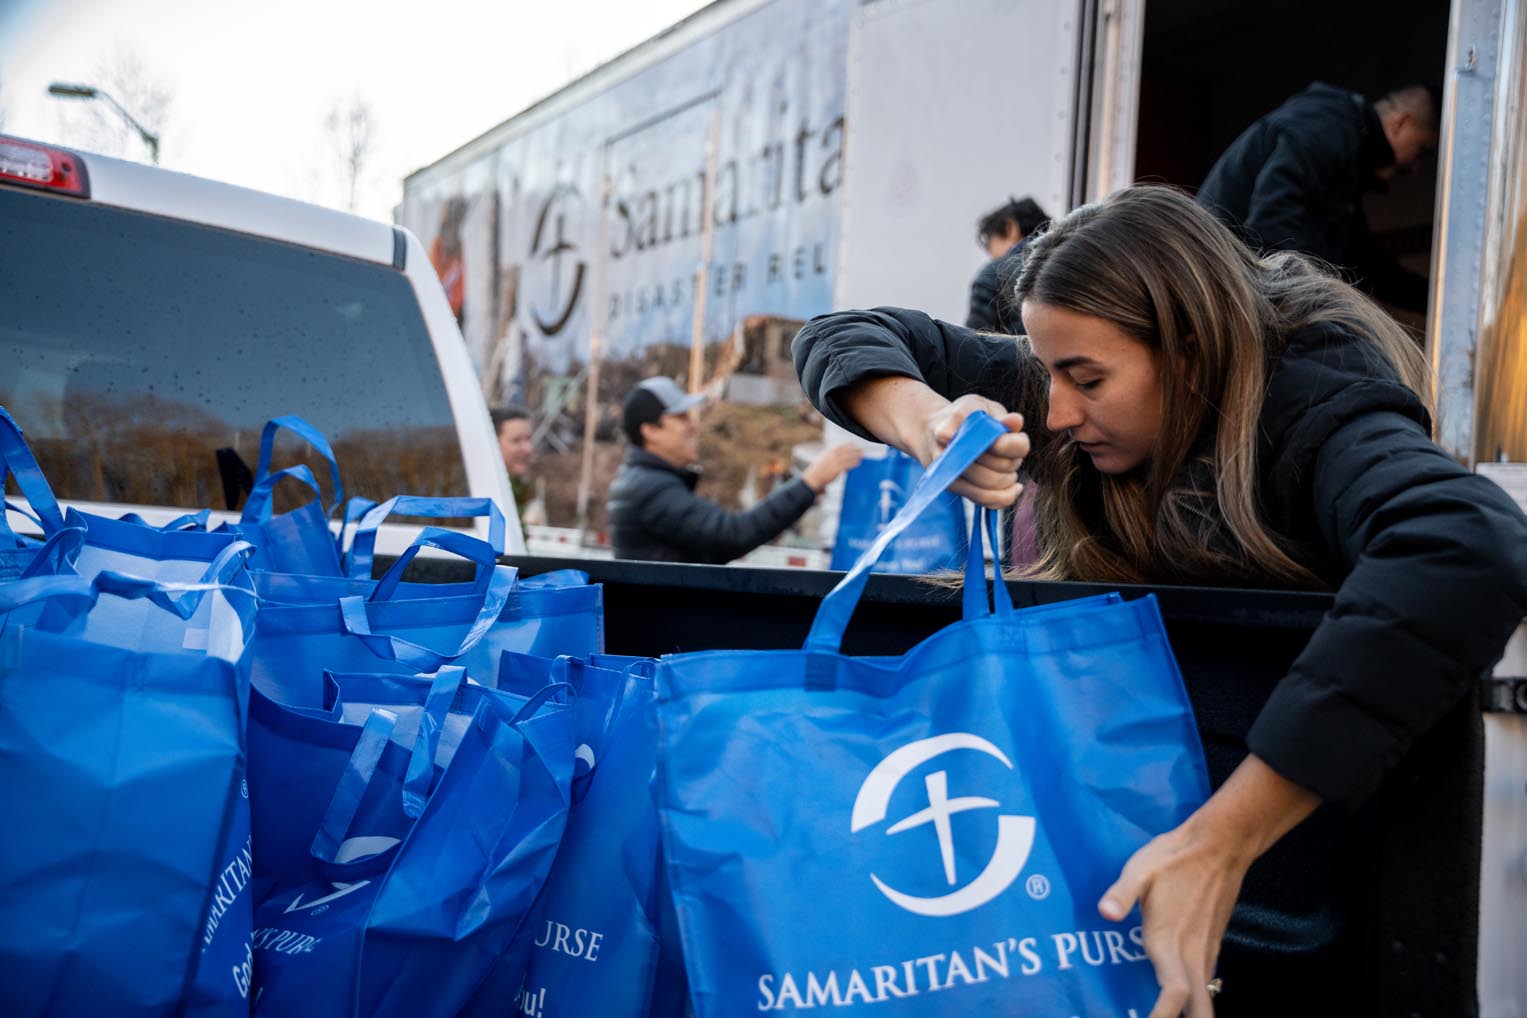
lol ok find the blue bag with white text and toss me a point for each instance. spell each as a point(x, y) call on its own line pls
point(419, 877)
point(926, 835)
point(297, 753)
point(125, 867)
point(873, 493)
point(595, 930)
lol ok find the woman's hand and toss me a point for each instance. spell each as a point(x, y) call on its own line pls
point(906, 413)
point(1186, 881)
point(992, 481)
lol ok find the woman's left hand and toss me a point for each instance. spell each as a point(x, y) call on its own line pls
point(1186, 880)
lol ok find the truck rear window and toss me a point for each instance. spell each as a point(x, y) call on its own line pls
point(133, 348)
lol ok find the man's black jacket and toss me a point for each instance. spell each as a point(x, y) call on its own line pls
point(655, 515)
point(1428, 561)
point(991, 295)
point(1294, 181)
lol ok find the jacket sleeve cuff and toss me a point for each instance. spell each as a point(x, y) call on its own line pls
point(1314, 735)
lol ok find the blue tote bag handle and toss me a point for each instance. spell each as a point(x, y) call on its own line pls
point(12, 507)
point(313, 437)
point(190, 521)
point(183, 599)
point(473, 549)
point(78, 594)
point(73, 594)
point(975, 601)
point(355, 510)
point(16, 458)
point(257, 507)
point(228, 563)
point(59, 550)
point(393, 648)
point(541, 697)
point(363, 547)
point(421, 766)
point(373, 740)
point(975, 436)
point(352, 786)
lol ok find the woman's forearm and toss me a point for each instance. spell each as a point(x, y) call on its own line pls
point(1254, 808)
point(894, 409)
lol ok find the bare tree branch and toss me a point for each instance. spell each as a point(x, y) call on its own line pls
point(351, 131)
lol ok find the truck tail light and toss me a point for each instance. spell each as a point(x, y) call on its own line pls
point(47, 169)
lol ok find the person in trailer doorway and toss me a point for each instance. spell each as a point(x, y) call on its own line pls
point(653, 509)
point(1295, 179)
point(1002, 232)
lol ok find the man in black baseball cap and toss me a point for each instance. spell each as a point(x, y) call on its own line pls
point(654, 511)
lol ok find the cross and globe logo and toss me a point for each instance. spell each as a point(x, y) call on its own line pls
point(1015, 834)
point(556, 270)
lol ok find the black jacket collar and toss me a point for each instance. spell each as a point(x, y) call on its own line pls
point(642, 458)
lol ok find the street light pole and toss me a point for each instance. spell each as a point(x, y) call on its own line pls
point(64, 91)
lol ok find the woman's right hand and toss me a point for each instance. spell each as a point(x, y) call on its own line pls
point(906, 413)
point(992, 481)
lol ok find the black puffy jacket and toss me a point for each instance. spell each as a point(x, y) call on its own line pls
point(991, 295)
point(1428, 561)
point(1294, 181)
point(655, 515)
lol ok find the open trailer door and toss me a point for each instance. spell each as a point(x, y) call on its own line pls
point(953, 106)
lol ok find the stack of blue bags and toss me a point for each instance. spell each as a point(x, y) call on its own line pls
point(240, 775)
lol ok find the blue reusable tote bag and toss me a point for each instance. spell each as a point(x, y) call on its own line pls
point(544, 619)
point(214, 617)
point(298, 753)
point(873, 493)
point(125, 860)
point(925, 836)
point(300, 540)
point(407, 905)
point(555, 614)
point(595, 931)
point(377, 631)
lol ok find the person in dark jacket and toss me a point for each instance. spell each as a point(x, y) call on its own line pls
point(1294, 180)
point(1002, 232)
point(654, 511)
point(1201, 414)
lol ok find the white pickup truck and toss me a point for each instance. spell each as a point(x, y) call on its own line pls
point(154, 321)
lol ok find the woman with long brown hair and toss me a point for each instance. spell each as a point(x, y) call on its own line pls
point(1199, 414)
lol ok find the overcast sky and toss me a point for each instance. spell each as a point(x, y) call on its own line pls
point(241, 91)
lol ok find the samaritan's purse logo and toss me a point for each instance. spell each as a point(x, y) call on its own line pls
point(1015, 834)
